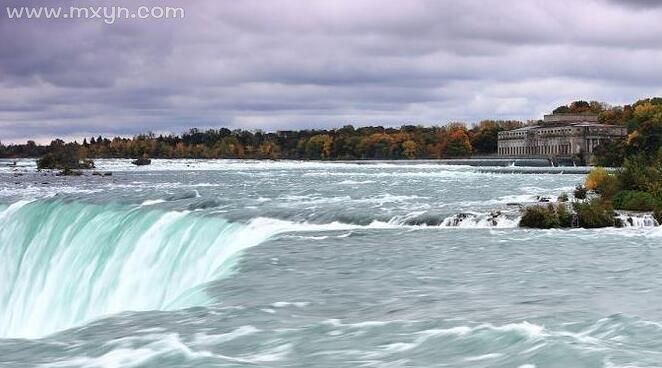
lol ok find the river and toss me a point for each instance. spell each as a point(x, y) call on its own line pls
point(229, 263)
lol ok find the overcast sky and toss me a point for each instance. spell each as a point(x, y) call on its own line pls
point(272, 65)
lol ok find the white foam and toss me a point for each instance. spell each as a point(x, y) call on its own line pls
point(356, 182)
point(481, 221)
point(483, 357)
point(360, 325)
point(243, 166)
point(167, 345)
point(126, 357)
point(656, 233)
point(287, 304)
point(151, 202)
point(243, 331)
point(525, 328)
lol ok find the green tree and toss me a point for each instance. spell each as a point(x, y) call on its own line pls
point(319, 147)
point(609, 154)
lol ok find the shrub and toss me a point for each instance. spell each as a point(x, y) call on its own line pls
point(565, 215)
point(64, 157)
point(48, 161)
point(609, 187)
point(540, 217)
point(594, 214)
point(635, 201)
point(642, 175)
point(580, 192)
point(602, 182)
point(595, 178)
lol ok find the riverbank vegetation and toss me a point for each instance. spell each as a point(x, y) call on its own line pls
point(346, 143)
point(636, 186)
point(643, 120)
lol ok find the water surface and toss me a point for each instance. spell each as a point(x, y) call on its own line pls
point(299, 264)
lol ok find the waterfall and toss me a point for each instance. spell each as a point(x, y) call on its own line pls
point(630, 220)
point(477, 220)
point(66, 263)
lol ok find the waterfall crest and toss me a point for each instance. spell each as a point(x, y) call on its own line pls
point(65, 263)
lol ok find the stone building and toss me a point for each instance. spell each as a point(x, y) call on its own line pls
point(560, 135)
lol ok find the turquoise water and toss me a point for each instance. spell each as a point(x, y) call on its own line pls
point(235, 263)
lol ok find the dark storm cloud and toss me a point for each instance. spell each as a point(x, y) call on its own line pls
point(291, 64)
point(638, 3)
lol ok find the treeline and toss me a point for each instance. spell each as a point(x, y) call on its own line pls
point(642, 119)
point(346, 143)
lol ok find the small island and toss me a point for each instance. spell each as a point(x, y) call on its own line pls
point(143, 161)
point(65, 157)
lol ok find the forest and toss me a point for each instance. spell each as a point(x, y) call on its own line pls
point(642, 118)
point(346, 143)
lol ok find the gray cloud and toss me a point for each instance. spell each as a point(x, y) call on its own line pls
point(289, 64)
point(638, 3)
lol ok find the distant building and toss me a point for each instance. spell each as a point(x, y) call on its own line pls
point(560, 135)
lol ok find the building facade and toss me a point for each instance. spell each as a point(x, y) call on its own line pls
point(560, 135)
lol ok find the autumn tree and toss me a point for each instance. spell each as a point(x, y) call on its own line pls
point(409, 149)
point(458, 143)
point(319, 147)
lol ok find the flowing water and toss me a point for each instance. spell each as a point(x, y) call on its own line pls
point(302, 264)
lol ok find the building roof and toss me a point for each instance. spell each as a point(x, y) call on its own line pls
point(523, 129)
point(571, 118)
point(562, 125)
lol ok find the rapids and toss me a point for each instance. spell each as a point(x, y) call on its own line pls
point(244, 263)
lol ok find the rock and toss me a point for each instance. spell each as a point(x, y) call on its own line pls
point(494, 216)
point(205, 204)
point(457, 219)
point(143, 161)
point(106, 173)
point(581, 192)
point(69, 172)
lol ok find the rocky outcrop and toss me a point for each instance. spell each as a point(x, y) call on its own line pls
point(143, 161)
